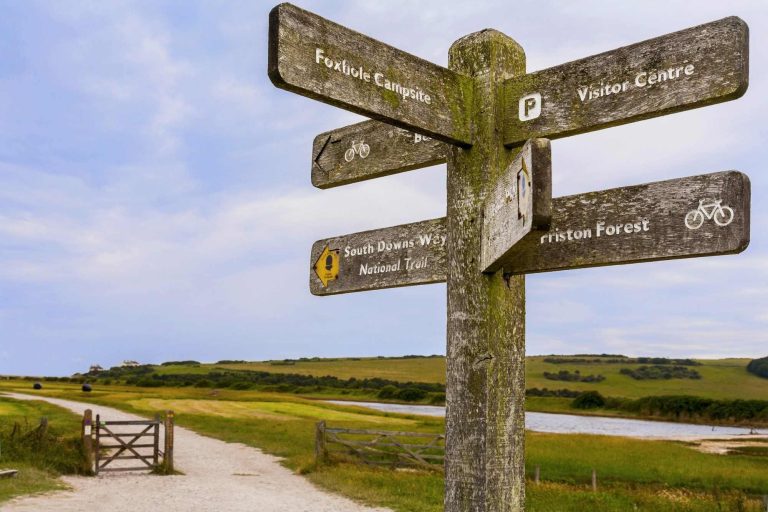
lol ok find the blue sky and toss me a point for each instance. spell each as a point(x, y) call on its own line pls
point(155, 200)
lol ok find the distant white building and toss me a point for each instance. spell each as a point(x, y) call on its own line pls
point(130, 364)
point(95, 368)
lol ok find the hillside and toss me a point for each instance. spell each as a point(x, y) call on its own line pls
point(720, 378)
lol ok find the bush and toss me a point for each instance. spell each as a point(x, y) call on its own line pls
point(387, 392)
point(759, 367)
point(437, 399)
point(203, 383)
point(573, 377)
point(411, 394)
point(240, 386)
point(657, 372)
point(589, 400)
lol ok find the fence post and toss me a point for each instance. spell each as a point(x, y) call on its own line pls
point(156, 440)
point(86, 435)
point(319, 442)
point(537, 474)
point(594, 480)
point(168, 449)
point(765, 502)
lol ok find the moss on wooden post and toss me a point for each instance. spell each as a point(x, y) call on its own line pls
point(486, 312)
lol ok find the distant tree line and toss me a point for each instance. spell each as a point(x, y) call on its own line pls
point(759, 367)
point(680, 407)
point(660, 372)
point(573, 376)
point(609, 359)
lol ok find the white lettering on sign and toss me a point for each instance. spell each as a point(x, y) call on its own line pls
point(601, 229)
point(371, 76)
point(529, 107)
point(407, 264)
point(384, 246)
point(641, 80)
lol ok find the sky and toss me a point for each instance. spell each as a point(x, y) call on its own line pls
point(156, 204)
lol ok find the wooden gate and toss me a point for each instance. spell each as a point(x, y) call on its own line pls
point(112, 444)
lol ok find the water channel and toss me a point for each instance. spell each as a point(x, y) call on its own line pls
point(573, 424)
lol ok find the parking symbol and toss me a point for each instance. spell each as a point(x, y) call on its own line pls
point(530, 107)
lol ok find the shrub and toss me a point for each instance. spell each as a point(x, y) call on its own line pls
point(657, 372)
point(759, 367)
point(240, 386)
point(387, 392)
point(411, 394)
point(203, 383)
point(589, 400)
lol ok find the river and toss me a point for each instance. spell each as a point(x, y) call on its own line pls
point(573, 424)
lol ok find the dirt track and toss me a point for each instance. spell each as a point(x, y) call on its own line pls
point(218, 476)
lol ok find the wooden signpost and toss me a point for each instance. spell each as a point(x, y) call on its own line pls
point(369, 150)
point(502, 222)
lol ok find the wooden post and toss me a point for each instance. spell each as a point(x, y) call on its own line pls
point(168, 445)
point(765, 502)
point(43, 429)
point(319, 442)
point(86, 434)
point(156, 433)
point(484, 459)
point(537, 474)
point(594, 480)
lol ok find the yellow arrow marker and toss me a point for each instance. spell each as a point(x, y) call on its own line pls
point(327, 266)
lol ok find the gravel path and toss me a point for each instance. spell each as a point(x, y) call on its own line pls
point(218, 476)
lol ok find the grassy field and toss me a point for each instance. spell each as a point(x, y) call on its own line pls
point(41, 462)
point(721, 378)
point(633, 474)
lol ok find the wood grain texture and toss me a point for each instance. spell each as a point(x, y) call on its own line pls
point(404, 255)
point(519, 205)
point(485, 385)
point(652, 221)
point(717, 52)
point(438, 106)
point(370, 149)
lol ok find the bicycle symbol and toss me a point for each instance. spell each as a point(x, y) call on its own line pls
point(714, 210)
point(358, 148)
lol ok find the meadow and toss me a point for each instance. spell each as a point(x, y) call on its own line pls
point(720, 378)
point(633, 474)
point(40, 455)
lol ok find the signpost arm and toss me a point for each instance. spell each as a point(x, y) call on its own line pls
point(484, 459)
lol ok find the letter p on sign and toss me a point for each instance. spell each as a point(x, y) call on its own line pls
point(530, 107)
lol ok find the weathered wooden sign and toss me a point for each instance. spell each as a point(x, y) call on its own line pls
point(692, 68)
point(519, 206)
point(370, 149)
point(704, 215)
point(384, 258)
point(315, 57)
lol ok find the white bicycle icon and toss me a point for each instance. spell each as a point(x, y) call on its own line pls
point(714, 210)
point(358, 148)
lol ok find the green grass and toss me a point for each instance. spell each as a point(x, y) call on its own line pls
point(39, 459)
point(650, 475)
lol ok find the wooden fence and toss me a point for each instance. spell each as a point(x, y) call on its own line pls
point(381, 447)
